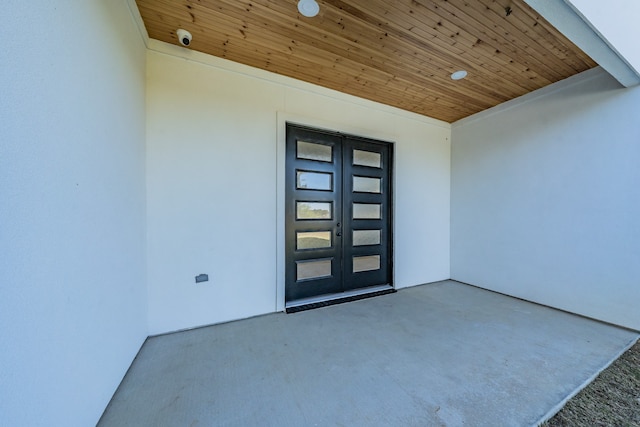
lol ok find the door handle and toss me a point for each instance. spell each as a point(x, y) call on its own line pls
point(338, 233)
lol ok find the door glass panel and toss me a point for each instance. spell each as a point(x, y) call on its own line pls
point(366, 211)
point(313, 210)
point(363, 184)
point(367, 158)
point(366, 263)
point(313, 181)
point(366, 237)
point(313, 269)
point(313, 239)
point(311, 151)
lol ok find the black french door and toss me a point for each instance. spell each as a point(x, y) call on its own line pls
point(338, 213)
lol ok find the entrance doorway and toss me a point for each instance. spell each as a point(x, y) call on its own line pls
point(338, 233)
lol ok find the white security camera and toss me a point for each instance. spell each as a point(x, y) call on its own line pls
point(184, 37)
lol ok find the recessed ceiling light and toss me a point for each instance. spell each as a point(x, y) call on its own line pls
point(458, 75)
point(308, 8)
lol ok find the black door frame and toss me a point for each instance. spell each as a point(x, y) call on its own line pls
point(358, 281)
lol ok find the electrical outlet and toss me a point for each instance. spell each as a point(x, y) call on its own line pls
point(202, 278)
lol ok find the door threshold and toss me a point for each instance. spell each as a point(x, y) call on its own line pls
point(338, 298)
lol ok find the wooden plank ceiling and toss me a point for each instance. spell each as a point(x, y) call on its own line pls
point(399, 52)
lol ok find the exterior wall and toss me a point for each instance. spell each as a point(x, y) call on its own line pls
point(545, 198)
point(72, 210)
point(214, 166)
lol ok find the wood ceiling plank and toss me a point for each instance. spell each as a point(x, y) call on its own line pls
point(395, 71)
point(531, 21)
point(400, 53)
point(407, 61)
point(496, 59)
point(400, 70)
point(455, 39)
point(496, 76)
point(537, 37)
point(440, 75)
point(474, 19)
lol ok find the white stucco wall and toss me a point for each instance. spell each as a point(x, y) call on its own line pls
point(212, 173)
point(545, 198)
point(72, 210)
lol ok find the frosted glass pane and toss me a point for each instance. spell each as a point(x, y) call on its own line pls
point(367, 158)
point(313, 210)
point(366, 263)
point(366, 237)
point(313, 180)
point(311, 151)
point(313, 239)
point(362, 184)
point(313, 269)
point(366, 211)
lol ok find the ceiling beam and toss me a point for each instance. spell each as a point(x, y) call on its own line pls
point(570, 22)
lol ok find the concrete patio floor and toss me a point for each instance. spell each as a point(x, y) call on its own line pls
point(442, 354)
